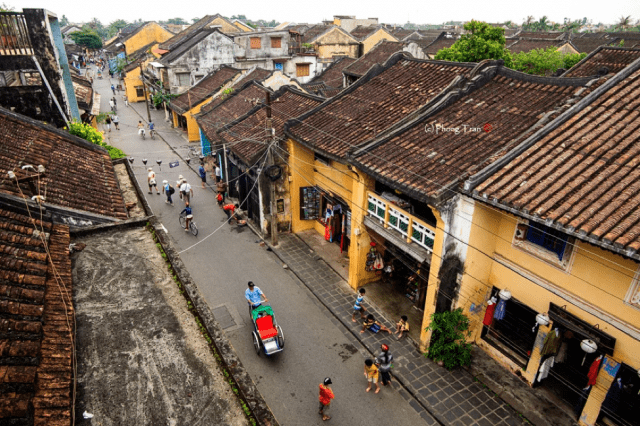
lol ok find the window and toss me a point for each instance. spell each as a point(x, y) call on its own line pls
point(139, 92)
point(321, 159)
point(276, 42)
point(302, 70)
point(183, 79)
point(633, 295)
point(277, 66)
point(547, 244)
point(309, 203)
point(256, 43)
point(548, 238)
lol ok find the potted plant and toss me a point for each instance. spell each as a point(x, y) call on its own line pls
point(448, 340)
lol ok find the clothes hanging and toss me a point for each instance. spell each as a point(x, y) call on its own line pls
point(545, 367)
point(593, 371)
point(500, 309)
point(551, 343)
point(488, 315)
point(612, 401)
point(564, 347)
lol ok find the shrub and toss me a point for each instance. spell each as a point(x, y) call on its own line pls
point(88, 133)
point(448, 341)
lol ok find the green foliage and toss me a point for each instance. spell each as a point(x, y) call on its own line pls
point(96, 26)
point(448, 341)
point(88, 133)
point(87, 38)
point(64, 21)
point(482, 42)
point(116, 26)
point(6, 8)
point(194, 20)
point(538, 61)
point(177, 21)
point(573, 58)
point(226, 92)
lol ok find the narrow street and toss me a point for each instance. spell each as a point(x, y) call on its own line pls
point(317, 346)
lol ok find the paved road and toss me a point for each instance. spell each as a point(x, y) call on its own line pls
point(316, 345)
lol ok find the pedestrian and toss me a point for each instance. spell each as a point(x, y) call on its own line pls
point(255, 297)
point(188, 214)
point(220, 199)
point(384, 360)
point(230, 210)
point(151, 181)
point(358, 306)
point(126, 101)
point(107, 121)
point(371, 373)
point(113, 89)
point(326, 395)
point(168, 190)
point(186, 191)
point(112, 105)
point(115, 101)
point(116, 121)
point(402, 326)
point(373, 325)
point(218, 174)
point(203, 174)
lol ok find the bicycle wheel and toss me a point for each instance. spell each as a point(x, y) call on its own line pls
point(194, 229)
point(183, 220)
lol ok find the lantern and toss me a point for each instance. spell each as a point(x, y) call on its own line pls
point(541, 319)
point(504, 295)
point(589, 347)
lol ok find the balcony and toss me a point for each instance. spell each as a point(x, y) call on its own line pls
point(14, 36)
point(410, 229)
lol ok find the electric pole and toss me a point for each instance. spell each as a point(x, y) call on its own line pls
point(274, 210)
point(144, 90)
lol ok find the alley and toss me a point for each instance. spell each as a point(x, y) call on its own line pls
point(222, 264)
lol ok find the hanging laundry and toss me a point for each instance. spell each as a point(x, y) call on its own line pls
point(564, 347)
point(551, 343)
point(337, 209)
point(593, 371)
point(488, 315)
point(500, 309)
point(545, 367)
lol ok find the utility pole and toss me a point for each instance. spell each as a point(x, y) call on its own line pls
point(274, 210)
point(144, 90)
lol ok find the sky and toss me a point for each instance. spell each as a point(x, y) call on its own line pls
point(392, 12)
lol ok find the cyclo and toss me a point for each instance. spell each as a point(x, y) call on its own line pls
point(267, 334)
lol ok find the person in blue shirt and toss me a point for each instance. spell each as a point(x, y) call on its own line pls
point(151, 128)
point(187, 211)
point(203, 174)
point(254, 296)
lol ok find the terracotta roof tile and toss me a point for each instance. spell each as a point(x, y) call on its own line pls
point(311, 33)
point(584, 176)
point(542, 35)
point(377, 55)
point(438, 44)
point(332, 75)
point(426, 160)
point(79, 175)
point(207, 87)
point(361, 32)
point(588, 45)
point(529, 44)
point(187, 33)
point(257, 74)
point(373, 104)
point(36, 338)
point(613, 59)
point(248, 136)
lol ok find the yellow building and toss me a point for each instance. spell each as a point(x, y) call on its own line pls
point(371, 36)
point(331, 42)
point(131, 41)
point(133, 84)
point(186, 106)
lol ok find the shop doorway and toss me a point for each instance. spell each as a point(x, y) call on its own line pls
point(620, 406)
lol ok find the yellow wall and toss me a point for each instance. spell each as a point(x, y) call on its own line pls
point(375, 38)
point(150, 33)
point(131, 81)
point(336, 43)
point(596, 278)
point(242, 27)
point(227, 27)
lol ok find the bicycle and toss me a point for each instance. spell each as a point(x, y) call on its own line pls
point(192, 225)
point(142, 133)
point(152, 134)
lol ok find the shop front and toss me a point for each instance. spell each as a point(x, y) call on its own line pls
point(330, 211)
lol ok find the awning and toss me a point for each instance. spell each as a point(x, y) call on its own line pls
point(156, 64)
point(159, 51)
point(95, 108)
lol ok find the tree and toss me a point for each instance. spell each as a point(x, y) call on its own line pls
point(450, 329)
point(116, 26)
point(538, 61)
point(543, 24)
point(87, 38)
point(64, 21)
point(573, 58)
point(526, 25)
point(97, 27)
point(6, 8)
point(194, 20)
point(88, 133)
point(482, 41)
point(177, 21)
point(624, 22)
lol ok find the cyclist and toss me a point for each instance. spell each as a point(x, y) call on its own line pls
point(151, 128)
point(255, 297)
point(141, 128)
point(188, 216)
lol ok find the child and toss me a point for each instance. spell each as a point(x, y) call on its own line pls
point(373, 325)
point(371, 373)
point(326, 395)
point(358, 307)
point(402, 326)
point(220, 199)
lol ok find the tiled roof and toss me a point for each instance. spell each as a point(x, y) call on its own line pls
point(207, 87)
point(180, 49)
point(526, 45)
point(589, 44)
point(439, 43)
point(230, 108)
point(542, 35)
point(582, 176)
point(138, 57)
point(37, 321)
point(501, 106)
point(361, 32)
point(257, 74)
point(248, 136)
point(374, 103)
point(79, 174)
point(83, 91)
point(184, 35)
point(377, 55)
point(330, 92)
point(332, 75)
point(614, 59)
point(401, 33)
point(313, 32)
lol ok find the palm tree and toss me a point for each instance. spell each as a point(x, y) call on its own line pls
point(527, 22)
point(624, 22)
point(543, 23)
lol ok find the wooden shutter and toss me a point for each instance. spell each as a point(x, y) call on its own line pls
point(302, 70)
point(276, 42)
point(255, 43)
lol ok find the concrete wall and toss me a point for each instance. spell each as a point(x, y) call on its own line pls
point(350, 24)
point(315, 68)
point(203, 58)
point(278, 79)
point(415, 50)
point(336, 43)
point(243, 50)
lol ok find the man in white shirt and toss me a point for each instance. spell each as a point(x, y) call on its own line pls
point(218, 175)
point(186, 191)
point(151, 181)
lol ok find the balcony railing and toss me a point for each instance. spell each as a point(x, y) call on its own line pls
point(412, 229)
point(14, 36)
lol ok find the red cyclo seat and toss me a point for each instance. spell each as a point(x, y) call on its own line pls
point(265, 327)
